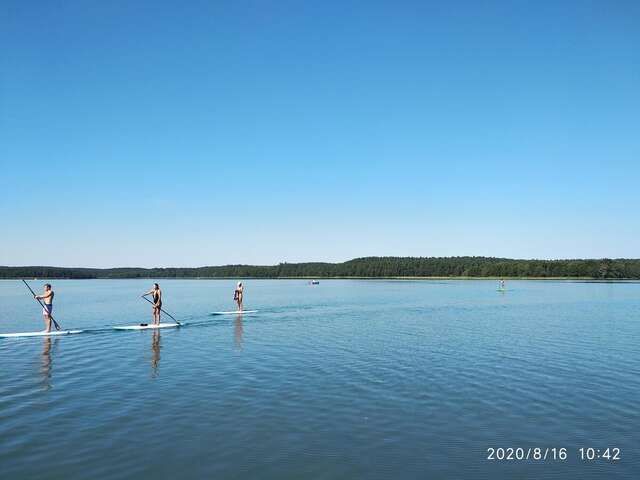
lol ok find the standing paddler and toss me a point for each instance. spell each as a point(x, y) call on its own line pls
point(156, 295)
point(238, 294)
point(47, 309)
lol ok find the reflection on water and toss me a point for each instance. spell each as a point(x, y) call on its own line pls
point(237, 332)
point(45, 361)
point(155, 352)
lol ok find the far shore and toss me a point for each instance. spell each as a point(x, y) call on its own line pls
point(585, 279)
point(369, 268)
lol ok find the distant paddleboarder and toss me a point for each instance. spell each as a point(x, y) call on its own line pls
point(502, 284)
point(238, 294)
point(156, 295)
point(47, 310)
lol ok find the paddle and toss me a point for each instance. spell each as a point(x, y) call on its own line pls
point(170, 316)
point(34, 296)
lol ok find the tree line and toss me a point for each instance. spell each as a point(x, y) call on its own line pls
point(367, 267)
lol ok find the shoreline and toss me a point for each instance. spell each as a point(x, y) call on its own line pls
point(410, 268)
point(582, 279)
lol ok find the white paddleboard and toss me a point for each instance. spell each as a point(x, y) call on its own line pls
point(40, 334)
point(145, 326)
point(237, 312)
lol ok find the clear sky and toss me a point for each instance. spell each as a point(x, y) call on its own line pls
point(195, 133)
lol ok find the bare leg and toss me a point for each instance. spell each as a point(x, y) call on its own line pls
point(47, 323)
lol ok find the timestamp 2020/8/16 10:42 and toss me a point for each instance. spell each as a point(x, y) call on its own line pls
point(611, 454)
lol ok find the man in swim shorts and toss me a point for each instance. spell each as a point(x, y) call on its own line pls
point(47, 311)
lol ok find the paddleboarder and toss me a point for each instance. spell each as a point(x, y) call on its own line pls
point(238, 294)
point(156, 295)
point(47, 309)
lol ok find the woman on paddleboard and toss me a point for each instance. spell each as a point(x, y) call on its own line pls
point(156, 295)
point(47, 311)
point(238, 294)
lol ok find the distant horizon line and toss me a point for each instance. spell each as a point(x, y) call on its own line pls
point(590, 259)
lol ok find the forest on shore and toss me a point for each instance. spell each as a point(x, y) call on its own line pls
point(367, 267)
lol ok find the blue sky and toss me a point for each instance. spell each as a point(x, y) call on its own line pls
point(202, 133)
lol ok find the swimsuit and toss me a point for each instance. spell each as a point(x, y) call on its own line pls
point(48, 309)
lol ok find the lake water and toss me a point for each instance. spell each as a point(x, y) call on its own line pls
point(346, 379)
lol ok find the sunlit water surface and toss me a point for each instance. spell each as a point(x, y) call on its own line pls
point(346, 379)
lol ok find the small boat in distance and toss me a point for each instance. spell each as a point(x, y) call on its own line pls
point(314, 282)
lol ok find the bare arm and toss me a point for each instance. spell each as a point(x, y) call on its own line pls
point(46, 295)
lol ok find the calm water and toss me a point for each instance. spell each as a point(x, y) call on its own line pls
point(347, 379)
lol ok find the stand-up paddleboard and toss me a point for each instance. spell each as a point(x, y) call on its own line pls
point(501, 290)
point(146, 326)
point(40, 334)
point(237, 312)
